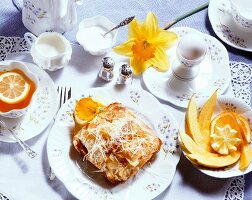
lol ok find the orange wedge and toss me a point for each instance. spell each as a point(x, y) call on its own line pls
point(225, 133)
point(245, 129)
point(224, 119)
point(85, 110)
point(13, 87)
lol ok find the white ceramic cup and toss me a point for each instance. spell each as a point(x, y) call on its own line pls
point(15, 113)
point(50, 51)
point(242, 13)
point(191, 51)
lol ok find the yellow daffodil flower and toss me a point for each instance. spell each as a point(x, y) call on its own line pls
point(146, 45)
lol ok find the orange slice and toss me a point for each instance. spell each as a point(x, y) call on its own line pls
point(224, 119)
point(85, 110)
point(245, 129)
point(225, 133)
point(13, 87)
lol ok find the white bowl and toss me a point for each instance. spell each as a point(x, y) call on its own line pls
point(225, 103)
point(50, 50)
point(15, 113)
point(90, 36)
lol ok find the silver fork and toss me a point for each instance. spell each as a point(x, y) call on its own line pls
point(64, 96)
point(24, 146)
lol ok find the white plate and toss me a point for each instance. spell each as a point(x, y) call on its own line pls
point(41, 112)
point(214, 73)
point(227, 103)
point(225, 27)
point(149, 182)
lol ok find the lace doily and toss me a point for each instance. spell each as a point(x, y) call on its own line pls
point(241, 79)
point(241, 74)
point(12, 45)
point(3, 197)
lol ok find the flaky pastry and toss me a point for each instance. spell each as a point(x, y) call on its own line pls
point(118, 142)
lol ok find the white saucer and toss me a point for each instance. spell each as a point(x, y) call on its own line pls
point(41, 112)
point(214, 73)
point(225, 27)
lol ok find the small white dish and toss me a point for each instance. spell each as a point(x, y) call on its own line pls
point(15, 113)
point(149, 182)
point(226, 103)
point(41, 112)
point(213, 73)
point(51, 51)
point(90, 35)
point(225, 27)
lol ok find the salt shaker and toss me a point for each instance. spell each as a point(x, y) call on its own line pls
point(106, 72)
point(125, 75)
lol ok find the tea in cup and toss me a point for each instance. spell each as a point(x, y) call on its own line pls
point(242, 13)
point(50, 51)
point(18, 88)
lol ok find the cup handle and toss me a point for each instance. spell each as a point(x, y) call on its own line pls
point(30, 38)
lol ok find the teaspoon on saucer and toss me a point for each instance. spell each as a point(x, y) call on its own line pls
point(24, 146)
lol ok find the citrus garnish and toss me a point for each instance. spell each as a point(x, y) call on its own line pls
point(85, 110)
point(225, 140)
point(225, 133)
point(13, 87)
point(245, 129)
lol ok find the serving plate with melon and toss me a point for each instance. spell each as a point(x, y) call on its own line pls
point(216, 136)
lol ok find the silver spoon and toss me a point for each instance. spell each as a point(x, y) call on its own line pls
point(123, 23)
point(25, 147)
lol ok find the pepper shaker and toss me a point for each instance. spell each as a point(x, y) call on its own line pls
point(106, 72)
point(125, 74)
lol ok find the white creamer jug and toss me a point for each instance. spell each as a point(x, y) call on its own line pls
point(49, 15)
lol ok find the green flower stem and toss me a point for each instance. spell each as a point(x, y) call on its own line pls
point(195, 10)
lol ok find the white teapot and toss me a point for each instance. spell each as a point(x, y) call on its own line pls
point(49, 15)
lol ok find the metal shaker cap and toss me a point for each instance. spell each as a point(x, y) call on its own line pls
point(108, 63)
point(126, 70)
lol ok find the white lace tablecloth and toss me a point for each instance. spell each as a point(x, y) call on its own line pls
point(22, 178)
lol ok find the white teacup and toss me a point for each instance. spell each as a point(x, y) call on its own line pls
point(242, 13)
point(8, 66)
point(50, 51)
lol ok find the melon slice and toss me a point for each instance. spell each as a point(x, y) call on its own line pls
point(215, 161)
point(193, 128)
point(191, 146)
point(246, 156)
point(206, 114)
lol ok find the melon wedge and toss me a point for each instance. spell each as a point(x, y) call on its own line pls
point(215, 162)
point(193, 128)
point(191, 146)
point(246, 156)
point(207, 112)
